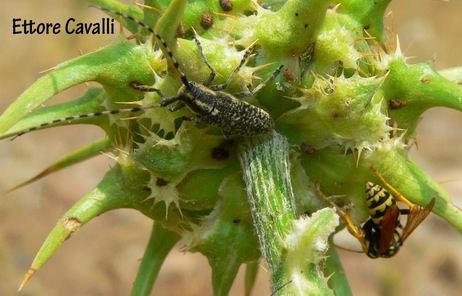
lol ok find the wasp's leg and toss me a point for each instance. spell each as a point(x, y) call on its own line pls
point(352, 228)
point(395, 192)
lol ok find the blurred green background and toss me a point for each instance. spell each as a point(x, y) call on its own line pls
point(102, 259)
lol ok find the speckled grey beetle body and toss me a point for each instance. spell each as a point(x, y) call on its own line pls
point(226, 112)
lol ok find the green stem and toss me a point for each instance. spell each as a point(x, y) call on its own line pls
point(223, 276)
point(293, 249)
point(111, 66)
point(265, 162)
point(418, 87)
point(109, 194)
point(334, 270)
point(88, 151)
point(160, 244)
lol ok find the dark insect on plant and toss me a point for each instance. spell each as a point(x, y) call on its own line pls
point(209, 103)
point(226, 5)
point(382, 235)
point(206, 20)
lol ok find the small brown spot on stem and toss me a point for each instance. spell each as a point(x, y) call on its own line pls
point(396, 104)
point(161, 182)
point(289, 74)
point(180, 31)
point(222, 151)
point(226, 5)
point(308, 149)
point(71, 224)
point(425, 80)
point(206, 20)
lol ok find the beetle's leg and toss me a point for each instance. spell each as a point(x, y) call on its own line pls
point(261, 85)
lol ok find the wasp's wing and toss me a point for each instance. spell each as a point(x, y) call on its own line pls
point(416, 215)
point(387, 229)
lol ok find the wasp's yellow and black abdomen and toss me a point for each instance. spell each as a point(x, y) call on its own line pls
point(379, 201)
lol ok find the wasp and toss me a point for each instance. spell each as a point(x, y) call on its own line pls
point(210, 104)
point(383, 234)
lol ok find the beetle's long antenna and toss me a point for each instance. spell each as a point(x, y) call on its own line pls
point(183, 77)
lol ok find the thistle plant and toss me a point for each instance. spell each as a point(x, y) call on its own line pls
point(346, 100)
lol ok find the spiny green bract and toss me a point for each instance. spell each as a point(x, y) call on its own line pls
point(333, 102)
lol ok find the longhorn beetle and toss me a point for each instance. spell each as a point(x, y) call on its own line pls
point(209, 103)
